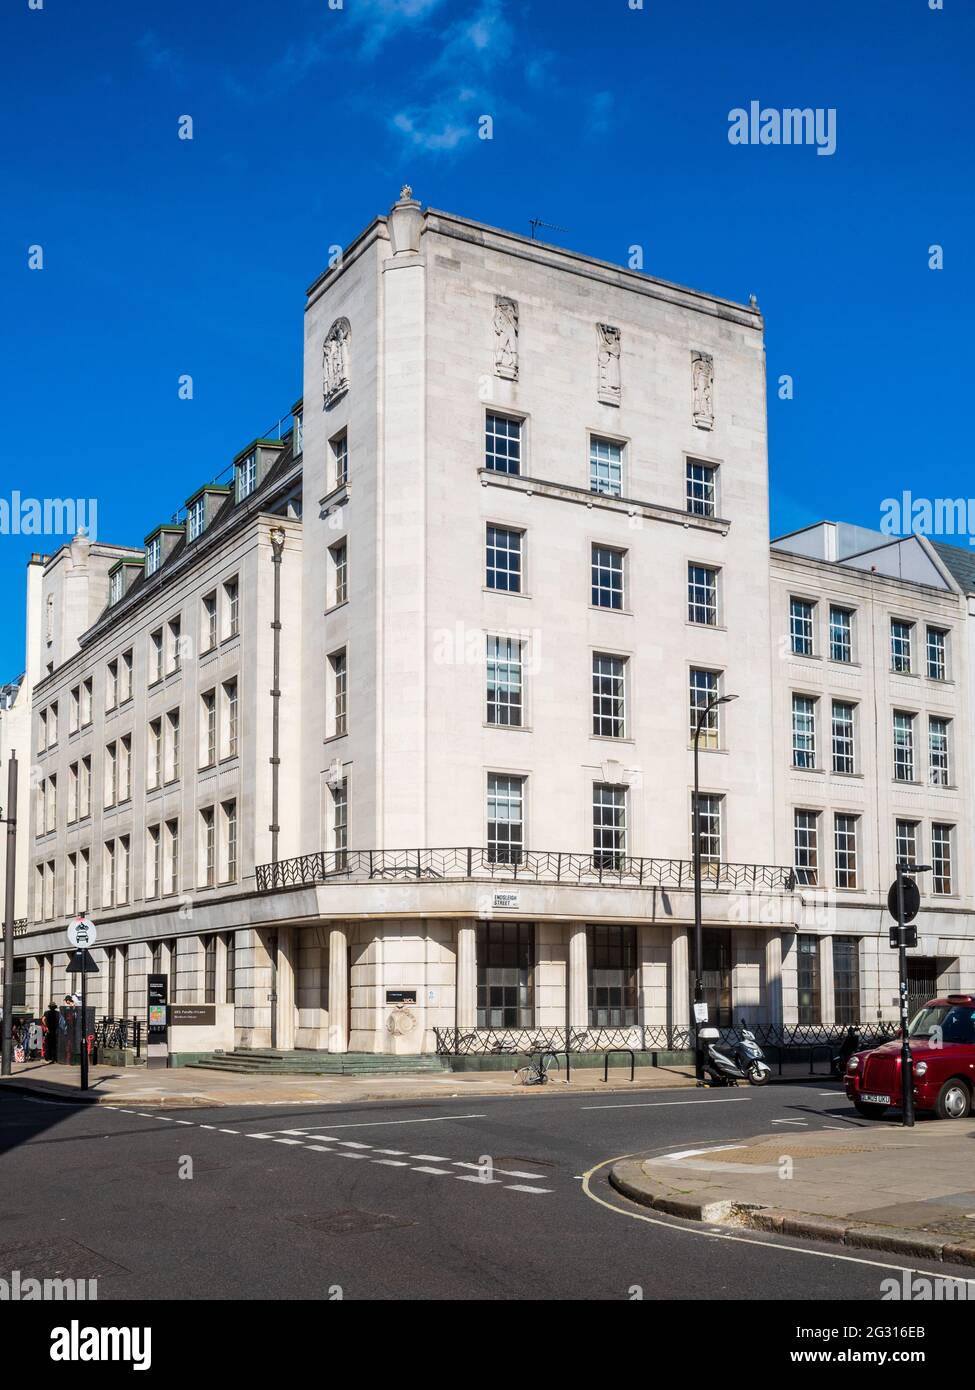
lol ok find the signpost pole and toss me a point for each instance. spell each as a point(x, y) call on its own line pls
point(83, 957)
point(6, 1047)
point(907, 1065)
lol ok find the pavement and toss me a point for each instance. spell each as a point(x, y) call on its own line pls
point(189, 1086)
point(459, 1196)
point(882, 1187)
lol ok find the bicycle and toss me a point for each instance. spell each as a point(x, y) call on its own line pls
point(536, 1073)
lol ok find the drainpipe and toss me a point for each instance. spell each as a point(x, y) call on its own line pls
point(278, 536)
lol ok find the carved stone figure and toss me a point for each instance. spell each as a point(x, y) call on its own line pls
point(506, 333)
point(335, 360)
point(609, 388)
point(702, 371)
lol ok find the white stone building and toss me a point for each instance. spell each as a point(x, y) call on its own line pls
point(388, 742)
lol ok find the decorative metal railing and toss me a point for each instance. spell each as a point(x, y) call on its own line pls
point(119, 1033)
point(530, 866)
point(453, 1042)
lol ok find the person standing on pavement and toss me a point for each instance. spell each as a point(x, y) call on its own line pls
point(52, 1020)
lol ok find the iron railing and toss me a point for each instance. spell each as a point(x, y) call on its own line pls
point(119, 1033)
point(454, 1042)
point(528, 866)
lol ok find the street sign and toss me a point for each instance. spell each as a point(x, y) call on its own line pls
point(700, 1013)
point(910, 936)
point(82, 932)
point(81, 963)
point(912, 899)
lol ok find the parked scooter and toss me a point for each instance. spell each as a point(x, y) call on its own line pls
point(745, 1061)
point(850, 1044)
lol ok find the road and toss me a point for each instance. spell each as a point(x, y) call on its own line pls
point(389, 1200)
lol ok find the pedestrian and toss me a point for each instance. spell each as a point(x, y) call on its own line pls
point(52, 1019)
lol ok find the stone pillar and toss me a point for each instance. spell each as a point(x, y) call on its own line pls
point(338, 990)
point(680, 978)
point(773, 979)
point(826, 992)
point(578, 1000)
point(285, 1030)
point(465, 987)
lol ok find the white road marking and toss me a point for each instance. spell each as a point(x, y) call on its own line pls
point(230, 1131)
point(289, 1141)
point(445, 1171)
point(650, 1104)
point(340, 1153)
point(352, 1144)
point(694, 1153)
point(790, 1122)
point(397, 1153)
point(469, 1177)
point(518, 1187)
point(391, 1162)
point(258, 1136)
point(183, 1122)
point(319, 1149)
point(429, 1158)
point(383, 1124)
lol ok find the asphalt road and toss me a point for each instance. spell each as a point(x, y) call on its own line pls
point(390, 1201)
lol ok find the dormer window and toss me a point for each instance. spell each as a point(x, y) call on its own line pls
point(153, 555)
point(115, 586)
point(247, 475)
point(195, 518)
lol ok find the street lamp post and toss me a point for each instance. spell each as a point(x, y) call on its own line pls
point(907, 1061)
point(703, 715)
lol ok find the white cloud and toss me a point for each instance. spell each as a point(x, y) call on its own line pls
point(599, 112)
point(438, 128)
point(159, 58)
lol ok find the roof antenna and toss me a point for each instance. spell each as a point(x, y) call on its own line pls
point(537, 222)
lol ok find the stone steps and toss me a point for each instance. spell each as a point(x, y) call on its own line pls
point(267, 1062)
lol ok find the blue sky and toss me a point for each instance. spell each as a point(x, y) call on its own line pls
point(164, 256)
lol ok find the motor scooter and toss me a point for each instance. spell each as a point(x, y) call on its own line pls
point(745, 1061)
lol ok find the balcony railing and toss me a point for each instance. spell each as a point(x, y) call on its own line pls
point(527, 866)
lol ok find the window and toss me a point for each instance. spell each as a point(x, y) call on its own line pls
point(801, 619)
point(803, 731)
point(504, 559)
point(86, 705)
point(843, 737)
point(716, 974)
point(71, 885)
point(173, 749)
point(903, 747)
point(111, 774)
point(125, 677)
point(175, 651)
point(807, 972)
point(172, 857)
point(937, 653)
point(608, 825)
point(607, 577)
point(704, 686)
point(52, 725)
point(84, 880)
point(210, 970)
point(195, 517)
point(806, 838)
point(228, 845)
point(502, 444)
point(505, 818)
point(115, 586)
point(108, 875)
point(111, 685)
point(702, 595)
point(155, 767)
point(846, 979)
point(153, 861)
point(74, 716)
point(339, 554)
point(340, 822)
point(230, 705)
point(208, 633)
point(608, 696)
point(840, 634)
point(505, 974)
point(246, 476)
point(231, 591)
point(73, 793)
point(709, 816)
point(51, 804)
point(938, 751)
point(153, 555)
point(901, 635)
point(122, 870)
point(504, 681)
point(340, 458)
point(700, 479)
point(208, 847)
point(612, 954)
point(340, 690)
point(906, 843)
point(125, 768)
point(941, 858)
point(605, 466)
point(85, 787)
point(156, 655)
point(208, 728)
point(230, 995)
point(845, 850)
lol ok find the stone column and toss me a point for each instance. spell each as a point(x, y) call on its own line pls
point(773, 979)
point(338, 990)
point(285, 1029)
point(465, 986)
point(680, 978)
point(578, 1000)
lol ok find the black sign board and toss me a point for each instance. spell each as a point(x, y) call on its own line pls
point(81, 963)
point(157, 988)
point(912, 899)
point(401, 996)
point(910, 936)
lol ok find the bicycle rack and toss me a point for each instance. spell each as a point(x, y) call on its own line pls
point(607, 1055)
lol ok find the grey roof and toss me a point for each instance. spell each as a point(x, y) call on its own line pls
point(960, 564)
